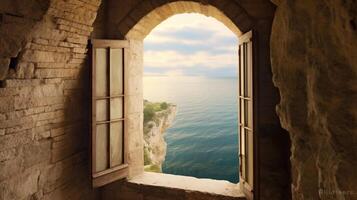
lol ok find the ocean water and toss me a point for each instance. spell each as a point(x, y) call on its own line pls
point(203, 140)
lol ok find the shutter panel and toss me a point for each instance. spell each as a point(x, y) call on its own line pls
point(108, 136)
point(246, 120)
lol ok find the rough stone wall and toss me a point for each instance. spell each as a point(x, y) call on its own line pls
point(313, 52)
point(43, 102)
point(15, 18)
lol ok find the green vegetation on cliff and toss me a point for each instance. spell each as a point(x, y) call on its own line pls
point(151, 108)
point(151, 113)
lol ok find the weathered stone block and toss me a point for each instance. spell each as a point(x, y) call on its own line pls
point(4, 67)
point(7, 154)
point(25, 70)
point(7, 104)
point(14, 140)
point(20, 186)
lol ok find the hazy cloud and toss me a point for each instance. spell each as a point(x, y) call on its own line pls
point(190, 44)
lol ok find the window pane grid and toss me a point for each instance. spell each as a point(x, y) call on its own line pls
point(245, 99)
point(109, 100)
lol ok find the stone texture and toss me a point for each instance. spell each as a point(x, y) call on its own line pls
point(158, 186)
point(313, 51)
point(148, 17)
point(4, 66)
point(43, 145)
point(43, 107)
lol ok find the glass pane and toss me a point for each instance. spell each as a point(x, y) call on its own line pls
point(116, 71)
point(102, 110)
point(241, 112)
point(116, 143)
point(246, 112)
point(250, 157)
point(250, 115)
point(243, 153)
point(242, 145)
point(247, 153)
point(101, 148)
point(116, 108)
point(245, 70)
point(241, 72)
point(101, 72)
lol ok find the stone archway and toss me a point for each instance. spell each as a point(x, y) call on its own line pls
point(161, 13)
point(145, 16)
point(139, 18)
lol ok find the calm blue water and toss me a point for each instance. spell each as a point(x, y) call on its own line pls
point(203, 140)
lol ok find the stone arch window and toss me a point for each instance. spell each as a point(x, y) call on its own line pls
point(138, 23)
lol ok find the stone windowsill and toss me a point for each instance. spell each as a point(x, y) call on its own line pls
point(215, 187)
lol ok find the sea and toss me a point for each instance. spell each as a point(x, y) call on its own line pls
point(203, 139)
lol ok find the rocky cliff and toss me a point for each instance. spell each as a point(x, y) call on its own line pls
point(155, 126)
point(314, 62)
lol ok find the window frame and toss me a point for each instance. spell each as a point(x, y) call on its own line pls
point(111, 173)
point(247, 102)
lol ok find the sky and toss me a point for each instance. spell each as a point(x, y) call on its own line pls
point(191, 45)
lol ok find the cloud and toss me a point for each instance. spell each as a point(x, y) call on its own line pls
point(186, 42)
point(184, 21)
point(174, 59)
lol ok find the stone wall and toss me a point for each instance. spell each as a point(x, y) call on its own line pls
point(44, 99)
point(313, 51)
point(44, 93)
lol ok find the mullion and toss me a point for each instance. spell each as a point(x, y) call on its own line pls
point(241, 93)
point(123, 109)
point(240, 155)
point(109, 106)
point(244, 70)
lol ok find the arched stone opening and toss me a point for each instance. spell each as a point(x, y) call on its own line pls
point(144, 17)
point(156, 16)
point(140, 18)
point(57, 77)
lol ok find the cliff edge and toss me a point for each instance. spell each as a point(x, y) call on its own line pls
point(157, 118)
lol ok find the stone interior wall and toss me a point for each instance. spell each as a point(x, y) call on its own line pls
point(313, 50)
point(44, 99)
point(45, 78)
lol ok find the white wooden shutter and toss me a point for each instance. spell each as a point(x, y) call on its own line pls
point(246, 120)
point(108, 136)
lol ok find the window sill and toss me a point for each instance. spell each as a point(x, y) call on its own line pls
point(187, 183)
